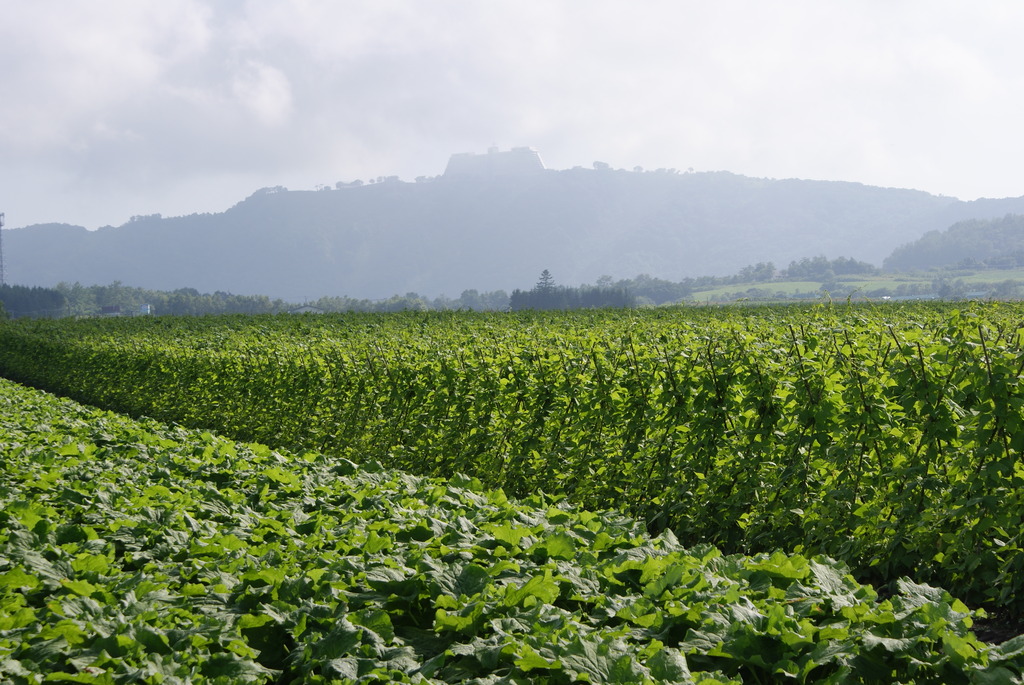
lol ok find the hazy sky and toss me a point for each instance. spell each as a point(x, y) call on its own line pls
point(111, 108)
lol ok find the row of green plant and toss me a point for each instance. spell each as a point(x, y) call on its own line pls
point(135, 552)
point(889, 437)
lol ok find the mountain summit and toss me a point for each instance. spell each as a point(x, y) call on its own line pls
point(519, 161)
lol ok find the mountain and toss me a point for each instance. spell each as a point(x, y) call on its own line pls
point(992, 242)
point(489, 232)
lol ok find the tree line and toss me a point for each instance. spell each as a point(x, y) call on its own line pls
point(35, 302)
point(79, 300)
point(546, 295)
point(118, 299)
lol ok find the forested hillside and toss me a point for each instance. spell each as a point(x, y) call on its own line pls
point(997, 243)
point(446, 235)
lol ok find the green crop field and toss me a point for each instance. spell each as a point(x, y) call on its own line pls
point(886, 437)
point(133, 552)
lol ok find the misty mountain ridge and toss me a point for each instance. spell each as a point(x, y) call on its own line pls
point(490, 231)
point(989, 243)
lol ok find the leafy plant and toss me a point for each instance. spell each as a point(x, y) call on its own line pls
point(885, 436)
point(135, 552)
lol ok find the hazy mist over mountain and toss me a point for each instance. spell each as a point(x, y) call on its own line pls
point(455, 232)
point(120, 109)
point(124, 108)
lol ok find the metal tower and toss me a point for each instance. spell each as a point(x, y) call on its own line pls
point(2, 248)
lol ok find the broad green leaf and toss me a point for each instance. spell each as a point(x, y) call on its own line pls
point(530, 660)
point(17, 579)
point(543, 588)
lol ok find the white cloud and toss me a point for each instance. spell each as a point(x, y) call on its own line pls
point(67, 67)
point(265, 91)
point(115, 103)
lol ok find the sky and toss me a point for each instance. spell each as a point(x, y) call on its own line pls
point(115, 108)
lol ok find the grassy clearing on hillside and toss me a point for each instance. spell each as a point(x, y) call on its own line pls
point(915, 284)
